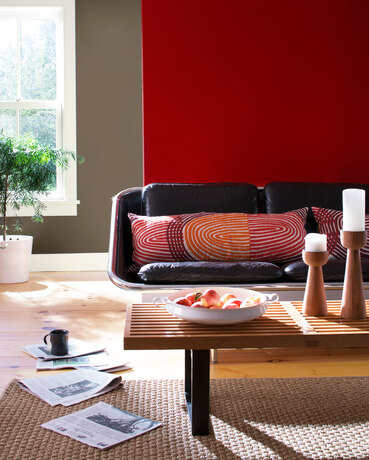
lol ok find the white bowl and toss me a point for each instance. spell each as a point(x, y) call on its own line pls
point(217, 316)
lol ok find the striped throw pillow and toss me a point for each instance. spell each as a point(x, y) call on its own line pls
point(218, 237)
point(330, 222)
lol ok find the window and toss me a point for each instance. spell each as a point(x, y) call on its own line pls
point(37, 84)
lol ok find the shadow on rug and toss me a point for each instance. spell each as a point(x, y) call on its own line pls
point(291, 418)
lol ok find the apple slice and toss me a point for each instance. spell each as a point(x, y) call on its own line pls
point(226, 297)
point(197, 304)
point(250, 301)
point(232, 303)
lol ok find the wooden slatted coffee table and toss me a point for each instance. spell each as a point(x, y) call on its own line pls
point(283, 325)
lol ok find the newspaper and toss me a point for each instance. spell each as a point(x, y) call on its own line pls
point(101, 425)
point(72, 387)
point(98, 361)
point(113, 368)
point(76, 348)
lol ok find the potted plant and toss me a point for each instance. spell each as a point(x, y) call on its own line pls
point(27, 172)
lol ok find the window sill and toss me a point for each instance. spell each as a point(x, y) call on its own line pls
point(53, 208)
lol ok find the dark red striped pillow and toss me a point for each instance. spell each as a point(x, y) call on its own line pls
point(218, 237)
point(330, 222)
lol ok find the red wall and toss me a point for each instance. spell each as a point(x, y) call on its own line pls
point(256, 90)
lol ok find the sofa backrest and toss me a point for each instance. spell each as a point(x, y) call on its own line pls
point(285, 196)
point(170, 199)
point(276, 197)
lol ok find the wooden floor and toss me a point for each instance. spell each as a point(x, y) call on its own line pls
point(93, 309)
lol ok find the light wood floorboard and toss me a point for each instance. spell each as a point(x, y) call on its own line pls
point(93, 309)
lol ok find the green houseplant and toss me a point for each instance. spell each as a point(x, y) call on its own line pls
point(27, 171)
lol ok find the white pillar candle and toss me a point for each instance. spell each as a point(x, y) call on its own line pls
point(315, 242)
point(353, 210)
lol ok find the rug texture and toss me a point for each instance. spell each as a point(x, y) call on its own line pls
point(290, 418)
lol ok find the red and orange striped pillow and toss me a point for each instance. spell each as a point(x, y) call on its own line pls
point(218, 237)
point(330, 222)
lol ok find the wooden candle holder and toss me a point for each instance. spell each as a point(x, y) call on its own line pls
point(353, 298)
point(315, 302)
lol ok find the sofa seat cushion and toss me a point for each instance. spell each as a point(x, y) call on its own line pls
point(225, 237)
point(333, 271)
point(209, 272)
point(330, 222)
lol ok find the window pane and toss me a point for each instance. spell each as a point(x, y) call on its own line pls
point(39, 124)
point(8, 122)
point(8, 59)
point(38, 59)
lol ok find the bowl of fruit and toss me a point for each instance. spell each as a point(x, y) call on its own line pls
point(220, 305)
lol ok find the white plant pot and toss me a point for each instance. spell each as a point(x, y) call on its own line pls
point(15, 258)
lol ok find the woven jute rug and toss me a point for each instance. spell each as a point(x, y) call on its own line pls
point(289, 418)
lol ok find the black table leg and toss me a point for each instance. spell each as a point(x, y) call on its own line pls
point(197, 379)
point(188, 367)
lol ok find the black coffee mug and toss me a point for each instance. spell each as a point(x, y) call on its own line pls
point(59, 341)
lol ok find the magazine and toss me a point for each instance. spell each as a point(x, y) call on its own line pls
point(76, 348)
point(101, 425)
point(72, 387)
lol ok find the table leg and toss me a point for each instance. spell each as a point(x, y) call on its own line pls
point(188, 367)
point(197, 379)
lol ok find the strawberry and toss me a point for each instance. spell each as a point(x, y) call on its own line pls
point(183, 301)
point(193, 297)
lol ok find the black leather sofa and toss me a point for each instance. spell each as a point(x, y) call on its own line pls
point(171, 198)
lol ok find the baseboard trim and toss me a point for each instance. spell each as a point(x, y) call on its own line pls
point(92, 261)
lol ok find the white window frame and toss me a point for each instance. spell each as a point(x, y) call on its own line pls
point(63, 201)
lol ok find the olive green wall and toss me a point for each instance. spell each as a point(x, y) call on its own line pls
point(109, 124)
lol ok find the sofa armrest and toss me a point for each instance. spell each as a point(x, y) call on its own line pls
point(120, 244)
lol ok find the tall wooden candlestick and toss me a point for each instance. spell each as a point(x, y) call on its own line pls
point(315, 302)
point(353, 298)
